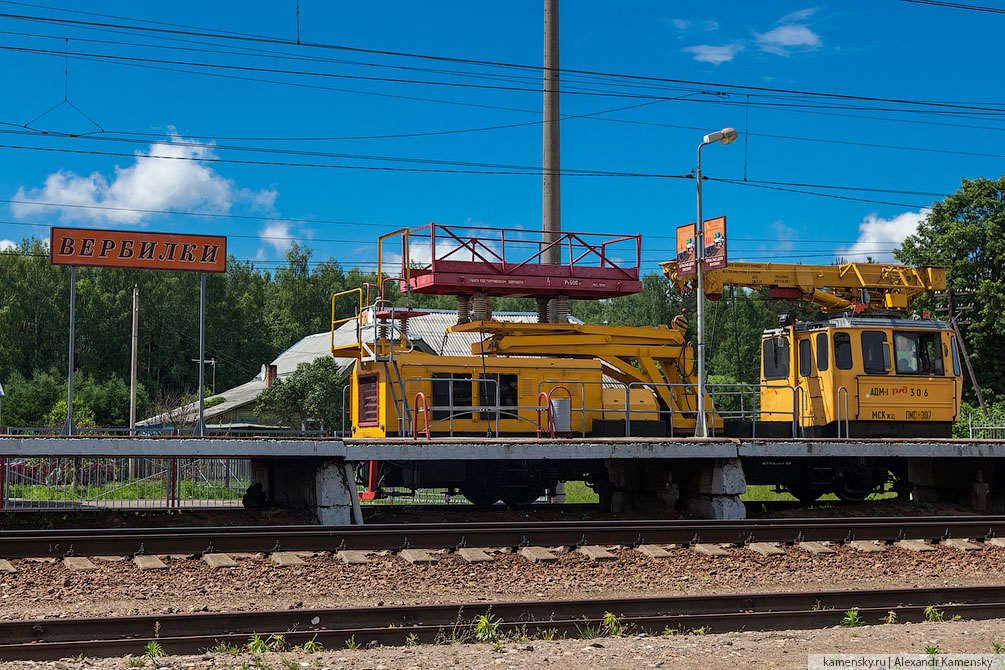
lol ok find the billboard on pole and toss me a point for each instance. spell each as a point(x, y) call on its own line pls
point(138, 250)
point(687, 252)
point(715, 243)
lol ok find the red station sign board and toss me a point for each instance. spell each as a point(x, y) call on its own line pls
point(138, 250)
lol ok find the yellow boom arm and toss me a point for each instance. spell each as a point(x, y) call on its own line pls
point(832, 288)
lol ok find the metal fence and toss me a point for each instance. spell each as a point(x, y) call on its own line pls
point(990, 428)
point(122, 483)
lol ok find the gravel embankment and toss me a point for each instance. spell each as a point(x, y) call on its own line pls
point(48, 589)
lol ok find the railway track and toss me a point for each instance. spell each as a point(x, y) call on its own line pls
point(251, 539)
point(393, 625)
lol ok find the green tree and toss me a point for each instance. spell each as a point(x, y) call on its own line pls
point(83, 417)
point(312, 391)
point(966, 233)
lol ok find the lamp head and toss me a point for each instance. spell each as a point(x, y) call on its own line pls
point(1, 390)
point(726, 135)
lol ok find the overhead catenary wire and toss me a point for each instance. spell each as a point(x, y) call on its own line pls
point(202, 32)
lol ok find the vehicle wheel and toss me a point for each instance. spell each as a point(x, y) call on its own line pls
point(805, 494)
point(852, 494)
point(522, 498)
point(479, 496)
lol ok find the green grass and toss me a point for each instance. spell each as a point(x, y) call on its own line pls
point(579, 492)
point(760, 492)
point(141, 490)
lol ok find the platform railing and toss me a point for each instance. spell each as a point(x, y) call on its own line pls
point(488, 246)
point(121, 483)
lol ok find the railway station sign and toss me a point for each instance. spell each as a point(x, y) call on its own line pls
point(138, 250)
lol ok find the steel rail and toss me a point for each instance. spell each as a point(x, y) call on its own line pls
point(251, 539)
point(195, 633)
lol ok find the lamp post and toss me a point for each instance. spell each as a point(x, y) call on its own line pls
point(725, 136)
point(1, 401)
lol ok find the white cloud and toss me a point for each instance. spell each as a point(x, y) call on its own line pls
point(877, 237)
point(706, 53)
point(711, 25)
point(801, 15)
point(277, 235)
point(7, 244)
point(787, 37)
point(786, 236)
point(180, 182)
point(680, 24)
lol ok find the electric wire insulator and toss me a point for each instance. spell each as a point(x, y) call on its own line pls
point(462, 310)
point(480, 307)
point(403, 327)
point(542, 310)
point(561, 308)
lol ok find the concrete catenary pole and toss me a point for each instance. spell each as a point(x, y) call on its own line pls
point(551, 164)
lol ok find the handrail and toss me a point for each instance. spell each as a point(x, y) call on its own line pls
point(359, 312)
point(547, 408)
point(425, 415)
point(404, 256)
point(473, 239)
point(843, 392)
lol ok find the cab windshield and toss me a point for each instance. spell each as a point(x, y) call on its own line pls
point(918, 353)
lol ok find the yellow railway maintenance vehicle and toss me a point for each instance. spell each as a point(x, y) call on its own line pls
point(521, 379)
point(863, 372)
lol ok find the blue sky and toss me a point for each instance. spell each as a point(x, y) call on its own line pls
point(886, 49)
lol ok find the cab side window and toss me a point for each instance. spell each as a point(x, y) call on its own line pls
point(822, 353)
point(805, 358)
point(875, 353)
point(842, 351)
point(775, 354)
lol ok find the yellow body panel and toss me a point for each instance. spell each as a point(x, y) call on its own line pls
point(825, 396)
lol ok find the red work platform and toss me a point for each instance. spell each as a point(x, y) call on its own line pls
point(510, 262)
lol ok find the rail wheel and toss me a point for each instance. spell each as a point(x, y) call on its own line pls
point(853, 493)
point(806, 494)
point(520, 498)
point(479, 495)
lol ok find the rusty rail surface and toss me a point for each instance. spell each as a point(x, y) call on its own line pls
point(251, 539)
point(392, 625)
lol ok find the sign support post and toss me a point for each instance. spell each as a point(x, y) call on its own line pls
point(139, 250)
point(68, 427)
point(200, 426)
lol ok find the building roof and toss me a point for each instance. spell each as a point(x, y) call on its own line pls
point(428, 332)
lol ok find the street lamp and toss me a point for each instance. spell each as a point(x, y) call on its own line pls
point(725, 136)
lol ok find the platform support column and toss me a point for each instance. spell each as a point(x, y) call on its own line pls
point(712, 489)
point(334, 503)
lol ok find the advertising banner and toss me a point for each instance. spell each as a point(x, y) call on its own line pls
point(687, 252)
point(138, 250)
point(715, 243)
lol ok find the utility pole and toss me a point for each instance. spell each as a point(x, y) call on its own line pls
point(132, 373)
point(551, 218)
